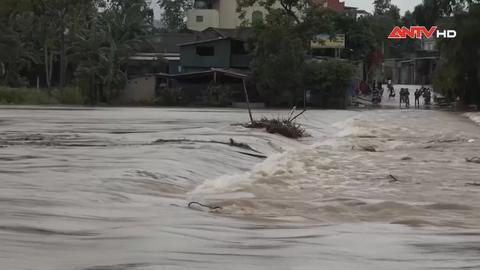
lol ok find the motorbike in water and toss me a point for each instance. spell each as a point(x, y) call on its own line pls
point(427, 97)
point(391, 92)
point(377, 97)
point(405, 97)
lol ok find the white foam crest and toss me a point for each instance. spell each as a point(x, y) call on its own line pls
point(278, 165)
point(281, 165)
point(347, 127)
point(475, 117)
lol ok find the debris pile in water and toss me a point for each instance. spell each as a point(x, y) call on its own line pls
point(283, 127)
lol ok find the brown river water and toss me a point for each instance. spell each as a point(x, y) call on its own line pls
point(108, 188)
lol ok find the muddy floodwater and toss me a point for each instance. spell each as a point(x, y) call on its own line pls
point(108, 188)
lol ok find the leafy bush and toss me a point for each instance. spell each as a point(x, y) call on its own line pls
point(328, 82)
point(170, 96)
point(33, 96)
point(70, 96)
point(219, 95)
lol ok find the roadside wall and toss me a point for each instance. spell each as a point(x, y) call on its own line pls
point(140, 89)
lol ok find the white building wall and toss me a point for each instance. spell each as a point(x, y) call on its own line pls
point(228, 14)
point(140, 89)
point(210, 18)
point(224, 15)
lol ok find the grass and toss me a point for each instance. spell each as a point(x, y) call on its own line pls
point(34, 96)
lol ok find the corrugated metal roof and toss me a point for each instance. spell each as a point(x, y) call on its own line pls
point(144, 58)
point(229, 72)
point(203, 41)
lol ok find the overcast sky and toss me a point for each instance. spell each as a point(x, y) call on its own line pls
point(367, 5)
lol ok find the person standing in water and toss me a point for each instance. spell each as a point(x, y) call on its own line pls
point(418, 94)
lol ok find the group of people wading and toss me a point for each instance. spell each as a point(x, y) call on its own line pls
point(424, 92)
point(376, 91)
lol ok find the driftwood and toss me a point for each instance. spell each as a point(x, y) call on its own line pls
point(292, 118)
point(279, 126)
point(394, 179)
point(369, 148)
point(231, 143)
point(252, 155)
point(473, 184)
point(212, 208)
point(473, 160)
point(286, 127)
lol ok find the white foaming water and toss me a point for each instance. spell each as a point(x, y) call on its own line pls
point(372, 170)
point(275, 165)
point(475, 117)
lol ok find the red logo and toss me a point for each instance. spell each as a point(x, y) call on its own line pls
point(420, 32)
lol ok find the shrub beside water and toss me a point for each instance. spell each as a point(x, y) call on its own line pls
point(33, 96)
point(282, 127)
point(328, 82)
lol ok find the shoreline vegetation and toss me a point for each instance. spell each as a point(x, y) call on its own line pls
point(39, 96)
point(80, 52)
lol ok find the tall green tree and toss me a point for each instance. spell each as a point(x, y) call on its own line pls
point(381, 7)
point(451, 6)
point(458, 71)
point(427, 13)
point(58, 21)
point(360, 40)
point(279, 60)
point(296, 9)
point(17, 51)
point(174, 13)
point(104, 48)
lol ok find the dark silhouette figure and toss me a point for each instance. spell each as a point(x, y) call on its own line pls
point(405, 97)
point(418, 94)
point(427, 96)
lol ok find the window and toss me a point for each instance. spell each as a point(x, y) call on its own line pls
point(205, 50)
point(199, 18)
point(257, 17)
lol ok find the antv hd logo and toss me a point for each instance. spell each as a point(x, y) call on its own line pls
point(419, 32)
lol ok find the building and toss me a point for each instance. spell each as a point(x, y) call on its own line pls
point(160, 53)
point(214, 86)
point(417, 68)
point(188, 63)
point(220, 14)
point(224, 13)
point(217, 48)
point(213, 53)
point(331, 4)
point(214, 69)
point(355, 12)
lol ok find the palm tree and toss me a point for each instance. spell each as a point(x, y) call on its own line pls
point(16, 49)
point(113, 36)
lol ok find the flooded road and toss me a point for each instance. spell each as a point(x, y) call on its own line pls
point(108, 188)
